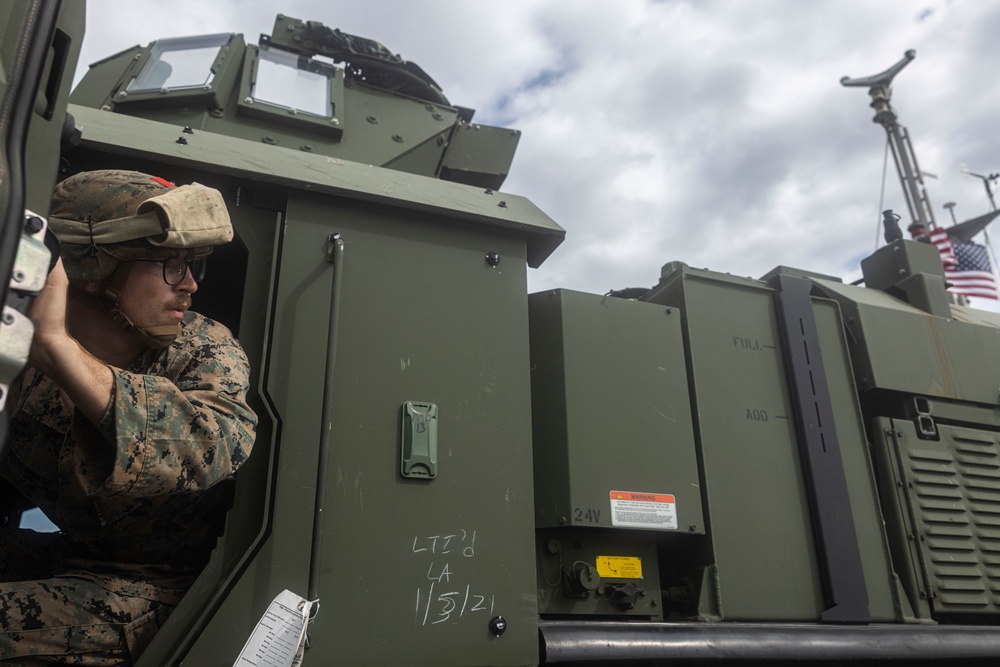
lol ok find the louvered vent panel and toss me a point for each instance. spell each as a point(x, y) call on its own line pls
point(956, 492)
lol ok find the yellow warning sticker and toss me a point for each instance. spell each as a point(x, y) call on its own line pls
point(619, 567)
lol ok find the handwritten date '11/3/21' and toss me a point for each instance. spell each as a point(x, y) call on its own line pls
point(442, 597)
point(434, 606)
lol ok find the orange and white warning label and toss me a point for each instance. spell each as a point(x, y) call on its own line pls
point(652, 511)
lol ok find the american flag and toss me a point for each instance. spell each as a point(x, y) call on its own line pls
point(966, 266)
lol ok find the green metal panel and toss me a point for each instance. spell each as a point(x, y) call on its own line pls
point(408, 565)
point(479, 154)
point(294, 385)
point(937, 357)
point(756, 503)
point(753, 481)
point(378, 126)
point(42, 145)
point(384, 127)
point(898, 520)
point(610, 409)
point(416, 565)
point(950, 496)
point(137, 138)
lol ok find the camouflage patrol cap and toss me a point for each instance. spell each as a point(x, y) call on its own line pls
point(96, 196)
point(107, 216)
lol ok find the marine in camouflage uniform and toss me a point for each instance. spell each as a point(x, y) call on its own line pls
point(138, 491)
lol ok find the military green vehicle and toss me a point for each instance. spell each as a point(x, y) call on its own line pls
point(466, 474)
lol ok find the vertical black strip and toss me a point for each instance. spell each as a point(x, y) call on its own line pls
point(841, 570)
point(335, 256)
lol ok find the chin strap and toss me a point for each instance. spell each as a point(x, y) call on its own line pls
point(156, 337)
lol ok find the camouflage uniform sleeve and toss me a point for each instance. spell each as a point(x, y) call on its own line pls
point(184, 434)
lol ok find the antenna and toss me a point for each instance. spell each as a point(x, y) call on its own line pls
point(885, 78)
point(986, 178)
point(899, 140)
point(950, 205)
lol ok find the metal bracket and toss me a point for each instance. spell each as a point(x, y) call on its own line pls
point(839, 554)
point(31, 268)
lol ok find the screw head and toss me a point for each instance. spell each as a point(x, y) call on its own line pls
point(493, 258)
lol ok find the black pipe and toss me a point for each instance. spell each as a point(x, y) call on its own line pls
point(613, 641)
point(335, 255)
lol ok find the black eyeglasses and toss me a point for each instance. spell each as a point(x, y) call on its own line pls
point(175, 268)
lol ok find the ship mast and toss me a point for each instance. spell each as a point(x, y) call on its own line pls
point(899, 140)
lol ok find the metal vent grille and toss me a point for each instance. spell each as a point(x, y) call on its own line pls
point(955, 491)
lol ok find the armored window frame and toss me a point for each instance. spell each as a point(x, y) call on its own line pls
point(253, 103)
point(139, 87)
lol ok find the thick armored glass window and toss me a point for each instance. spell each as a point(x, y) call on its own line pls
point(179, 63)
point(288, 81)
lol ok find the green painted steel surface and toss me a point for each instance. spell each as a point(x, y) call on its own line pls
point(762, 544)
point(408, 565)
point(945, 530)
point(391, 126)
point(41, 157)
point(137, 138)
point(417, 565)
point(755, 495)
point(937, 357)
point(611, 410)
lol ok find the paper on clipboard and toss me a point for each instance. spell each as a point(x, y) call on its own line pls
point(278, 640)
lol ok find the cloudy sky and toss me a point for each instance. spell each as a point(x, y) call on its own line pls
point(714, 132)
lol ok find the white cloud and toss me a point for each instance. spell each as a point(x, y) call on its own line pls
point(712, 132)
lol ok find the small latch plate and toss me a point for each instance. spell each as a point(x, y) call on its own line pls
point(418, 451)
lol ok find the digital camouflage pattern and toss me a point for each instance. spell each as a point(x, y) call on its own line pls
point(96, 196)
point(139, 498)
point(62, 619)
point(104, 194)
